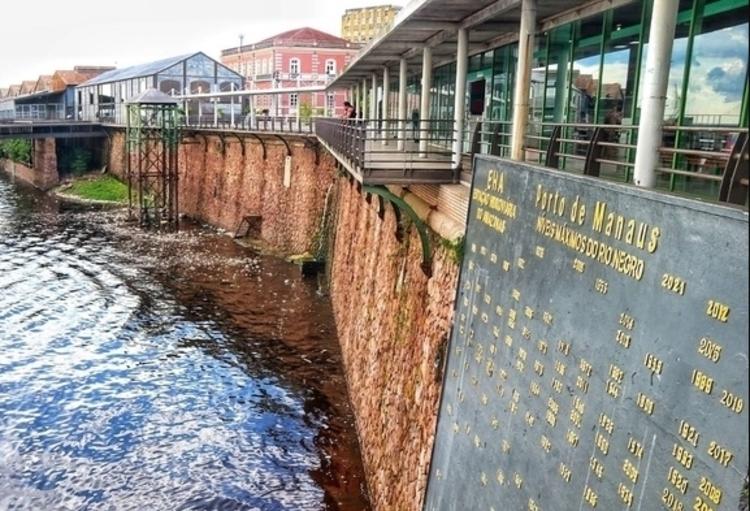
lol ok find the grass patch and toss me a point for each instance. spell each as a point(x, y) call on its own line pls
point(99, 188)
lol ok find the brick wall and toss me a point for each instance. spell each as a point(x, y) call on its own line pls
point(220, 187)
point(393, 324)
point(43, 174)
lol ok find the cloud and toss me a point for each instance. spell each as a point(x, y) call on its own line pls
point(728, 84)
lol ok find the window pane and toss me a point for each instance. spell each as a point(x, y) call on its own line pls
point(718, 68)
point(584, 90)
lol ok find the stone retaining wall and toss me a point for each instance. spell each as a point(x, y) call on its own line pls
point(393, 325)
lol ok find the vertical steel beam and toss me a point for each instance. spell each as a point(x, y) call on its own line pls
point(459, 106)
point(386, 111)
point(374, 98)
point(402, 86)
point(656, 80)
point(523, 78)
point(424, 125)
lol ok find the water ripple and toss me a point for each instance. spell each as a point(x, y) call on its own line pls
point(141, 372)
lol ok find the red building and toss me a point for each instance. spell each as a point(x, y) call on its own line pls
point(297, 58)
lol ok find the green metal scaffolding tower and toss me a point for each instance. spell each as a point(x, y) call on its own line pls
point(153, 137)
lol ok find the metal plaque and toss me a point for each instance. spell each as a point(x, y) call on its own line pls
point(599, 358)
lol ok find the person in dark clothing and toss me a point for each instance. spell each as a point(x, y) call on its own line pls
point(415, 124)
point(349, 111)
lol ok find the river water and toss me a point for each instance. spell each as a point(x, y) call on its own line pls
point(172, 372)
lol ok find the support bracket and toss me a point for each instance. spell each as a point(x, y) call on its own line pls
point(399, 205)
point(262, 144)
point(288, 148)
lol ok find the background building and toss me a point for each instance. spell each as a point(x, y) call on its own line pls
point(52, 96)
point(361, 25)
point(102, 98)
point(297, 58)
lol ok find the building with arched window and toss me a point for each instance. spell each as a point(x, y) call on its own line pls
point(301, 57)
point(103, 98)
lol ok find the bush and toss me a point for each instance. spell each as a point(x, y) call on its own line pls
point(76, 160)
point(16, 150)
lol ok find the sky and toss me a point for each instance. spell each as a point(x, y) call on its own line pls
point(40, 37)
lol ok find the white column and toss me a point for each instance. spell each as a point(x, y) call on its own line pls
point(216, 112)
point(663, 22)
point(386, 112)
point(365, 107)
point(523, 79)
point(424, 113)
point(355, 99)
point(402, 69)
point(459, 105)
point(374, 99)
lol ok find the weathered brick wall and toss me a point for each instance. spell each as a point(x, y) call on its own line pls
point(393, 321)
point(43, 174)
point(221, 186)
point(393, 324)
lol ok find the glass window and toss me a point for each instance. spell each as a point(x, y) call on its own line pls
point(558, 73)
point(676, 68)
point(718, 66)
point(330, 67)
point(200, 66)
point(503, 82)
point(294, 66)
point(586, 67)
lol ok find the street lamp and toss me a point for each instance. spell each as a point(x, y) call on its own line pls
point(239, 60)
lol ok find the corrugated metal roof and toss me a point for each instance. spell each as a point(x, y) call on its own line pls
point(139, 71)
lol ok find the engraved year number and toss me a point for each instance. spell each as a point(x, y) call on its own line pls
point(673, 284)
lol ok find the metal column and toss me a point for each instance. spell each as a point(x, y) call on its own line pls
point(386, 112)
point(374, 98)
point(424, 125)
point(523, 78)
point(459, 106)
point(402, 69)
point(663, 23)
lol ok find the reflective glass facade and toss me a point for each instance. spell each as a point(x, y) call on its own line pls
point(590, 72)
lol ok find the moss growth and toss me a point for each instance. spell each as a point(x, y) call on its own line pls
point(99, 188)
point(454, 248)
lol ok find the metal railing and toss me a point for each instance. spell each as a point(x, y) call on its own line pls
point(699, 161)
point(260, 123)
point(399, 149)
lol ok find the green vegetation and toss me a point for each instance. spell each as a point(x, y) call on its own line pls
point(99, 188)
point(76, 160)
point(16, 150)
point(305, 111)
point(454, 248)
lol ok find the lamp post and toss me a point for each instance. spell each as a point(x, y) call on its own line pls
point(239, 60)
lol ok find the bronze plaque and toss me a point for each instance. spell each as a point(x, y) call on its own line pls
point(599, 356)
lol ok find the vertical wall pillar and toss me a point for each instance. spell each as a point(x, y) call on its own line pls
point(663, 23)
point(459, 106)
point(402, 77)
point(386, 112)
point(523, 79)
point(424, 125)
point(216, 112)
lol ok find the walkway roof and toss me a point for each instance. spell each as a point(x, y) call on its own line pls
point(435, 23)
